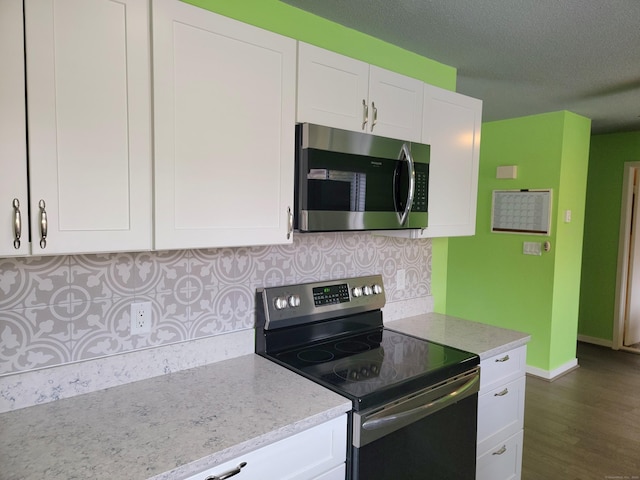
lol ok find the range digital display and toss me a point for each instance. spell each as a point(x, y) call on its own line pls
point(330, 294)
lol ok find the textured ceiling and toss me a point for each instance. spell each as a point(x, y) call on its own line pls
point(521, 57)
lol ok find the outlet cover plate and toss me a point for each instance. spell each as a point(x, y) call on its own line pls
point(140, 318)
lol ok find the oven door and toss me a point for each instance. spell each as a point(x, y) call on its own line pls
point(429, 434)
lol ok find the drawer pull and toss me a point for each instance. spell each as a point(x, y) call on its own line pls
point(502, 393)
point(501, 451)
point(503, 359)
point(228, 474)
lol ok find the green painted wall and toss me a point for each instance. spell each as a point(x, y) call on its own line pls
point(488, 277)
point(292, 22)
point(601, 230)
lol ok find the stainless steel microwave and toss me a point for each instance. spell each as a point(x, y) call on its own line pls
point(356, 181)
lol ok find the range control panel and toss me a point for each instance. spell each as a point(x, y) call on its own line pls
point(309, 302)
point(331, 294)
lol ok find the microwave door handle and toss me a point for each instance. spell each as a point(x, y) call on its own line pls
point(406, 153)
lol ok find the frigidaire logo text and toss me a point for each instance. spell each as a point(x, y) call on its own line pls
point(376, 163)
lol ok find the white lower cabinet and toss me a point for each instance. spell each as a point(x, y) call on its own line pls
point(501, 415)
point(503, 462)
point(318, 453)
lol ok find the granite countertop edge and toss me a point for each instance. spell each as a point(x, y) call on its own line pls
point(482, 339)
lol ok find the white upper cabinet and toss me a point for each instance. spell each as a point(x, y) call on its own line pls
point(395, 105)
point(224, 117)
point(451, 125)
point(341, 92)
point(14, 202)
point(89, 125)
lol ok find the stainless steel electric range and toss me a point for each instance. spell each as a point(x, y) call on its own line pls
point(414, 401)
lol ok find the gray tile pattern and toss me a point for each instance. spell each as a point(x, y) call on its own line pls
point(57, 310)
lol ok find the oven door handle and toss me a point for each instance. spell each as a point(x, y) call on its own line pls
point(423, 410)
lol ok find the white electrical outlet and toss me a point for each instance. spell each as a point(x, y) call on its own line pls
point(400, 279)
point(140, 318)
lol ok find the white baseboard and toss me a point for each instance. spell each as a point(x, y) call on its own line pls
point(595, 340)
point(555, 373)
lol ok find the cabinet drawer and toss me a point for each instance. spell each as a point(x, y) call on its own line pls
point(313, 453)
point(502, 368)
point(503, 462)
point(500, 413)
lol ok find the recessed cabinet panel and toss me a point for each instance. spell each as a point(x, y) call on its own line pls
point(88, 85)
point(395, 105)
point(224, 118)
point(331, 88)
point(91, 115)
point(504, 462)
point(210, 167)
point(502, 412)
point(13, 135)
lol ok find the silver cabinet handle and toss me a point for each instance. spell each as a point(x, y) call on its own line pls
point(501, 451)
point(375, 115)
point(17, 224)
point(228, 474)
point(503, 359)
point(502, 393)
point(290, 222)
point(43, 224)
point(365, 113)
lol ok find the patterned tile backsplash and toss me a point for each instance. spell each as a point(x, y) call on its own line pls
point(57, 310)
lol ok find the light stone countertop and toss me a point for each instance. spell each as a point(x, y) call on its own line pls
point(484, 340)
point(166, 427)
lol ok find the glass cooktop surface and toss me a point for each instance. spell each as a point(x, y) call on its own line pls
point(376, 364)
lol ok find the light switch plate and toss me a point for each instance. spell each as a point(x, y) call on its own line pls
point(532, 248)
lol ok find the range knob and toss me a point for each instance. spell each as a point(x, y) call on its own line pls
point(280, 303)
point(357, 291)
point(367, 290)
point(294, 301)
point(377, 289)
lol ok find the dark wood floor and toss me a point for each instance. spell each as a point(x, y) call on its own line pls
point(586, 424)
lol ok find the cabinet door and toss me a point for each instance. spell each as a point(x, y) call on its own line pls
point(316, 453)
point(500, 413)
point(332, 89)
point(13, 136)
point(503, 462)
point(88, 85)
point(395, 105)
point(224, 117)
point(451, 125)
